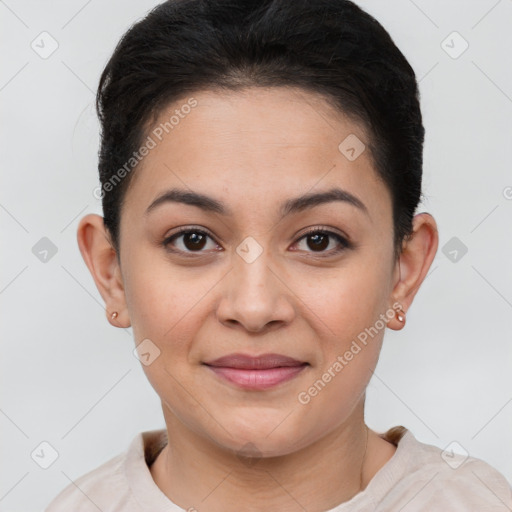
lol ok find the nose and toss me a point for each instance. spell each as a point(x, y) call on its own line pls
point(255, 296)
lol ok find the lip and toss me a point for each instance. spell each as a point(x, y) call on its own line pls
point(248, 362)
point(256, 372)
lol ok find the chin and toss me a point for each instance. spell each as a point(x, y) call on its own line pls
point(264, 435)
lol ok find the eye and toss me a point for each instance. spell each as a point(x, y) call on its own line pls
point(189, 240)
point(322, 241)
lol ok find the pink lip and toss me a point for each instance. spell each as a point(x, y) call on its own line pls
point(260, 372)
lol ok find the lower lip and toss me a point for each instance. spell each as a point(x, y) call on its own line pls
point(258, 379)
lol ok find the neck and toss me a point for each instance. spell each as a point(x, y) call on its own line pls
point(194, 471)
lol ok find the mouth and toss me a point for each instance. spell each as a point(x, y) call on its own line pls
point(256, 373)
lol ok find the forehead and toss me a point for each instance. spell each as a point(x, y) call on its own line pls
point(255, 146)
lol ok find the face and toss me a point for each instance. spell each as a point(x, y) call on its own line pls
point(258, 271)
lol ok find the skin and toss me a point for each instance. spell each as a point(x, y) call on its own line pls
point(253, 150)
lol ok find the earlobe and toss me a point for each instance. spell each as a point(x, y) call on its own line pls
point(101, 260)
point(417, 255)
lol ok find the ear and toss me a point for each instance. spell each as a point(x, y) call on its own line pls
point(417, 255)
point(101, 259)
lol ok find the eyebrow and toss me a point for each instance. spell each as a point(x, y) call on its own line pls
point(290, 206)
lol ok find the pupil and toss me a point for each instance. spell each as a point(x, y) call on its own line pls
point(319, 241)
point(196, 240)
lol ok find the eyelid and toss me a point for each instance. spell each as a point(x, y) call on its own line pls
point(342, 239)
point(323, 229)
point(186, 229)
point(166, 242)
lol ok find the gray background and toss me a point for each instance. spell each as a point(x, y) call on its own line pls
point(70, 379)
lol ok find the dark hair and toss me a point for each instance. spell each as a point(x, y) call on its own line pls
point(329, 47)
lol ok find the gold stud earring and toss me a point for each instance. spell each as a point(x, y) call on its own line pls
point(114, 315)
point(400, 315)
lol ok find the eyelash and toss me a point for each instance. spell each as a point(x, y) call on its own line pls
point(342, 241)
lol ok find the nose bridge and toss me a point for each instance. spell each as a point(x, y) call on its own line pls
point(252, 275)
point(253, 295)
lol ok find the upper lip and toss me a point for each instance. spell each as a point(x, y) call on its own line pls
point(247, 362)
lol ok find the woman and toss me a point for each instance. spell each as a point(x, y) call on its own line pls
point(260, 168)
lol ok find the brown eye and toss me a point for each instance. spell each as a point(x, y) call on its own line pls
point(189, 241)
point(318, 242)
point(194, 241)
point(323, 242)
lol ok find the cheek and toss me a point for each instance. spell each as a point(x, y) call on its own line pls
point(347, 351)
point(161, 297)
point(347, 300)
point(168, 305)
point(347, 311)
point(165, 308)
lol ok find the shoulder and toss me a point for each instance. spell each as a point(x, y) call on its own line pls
point(106, 487)
point(434, 478)
point(91, 490)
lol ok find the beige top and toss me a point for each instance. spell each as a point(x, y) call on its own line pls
point(418, 477)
